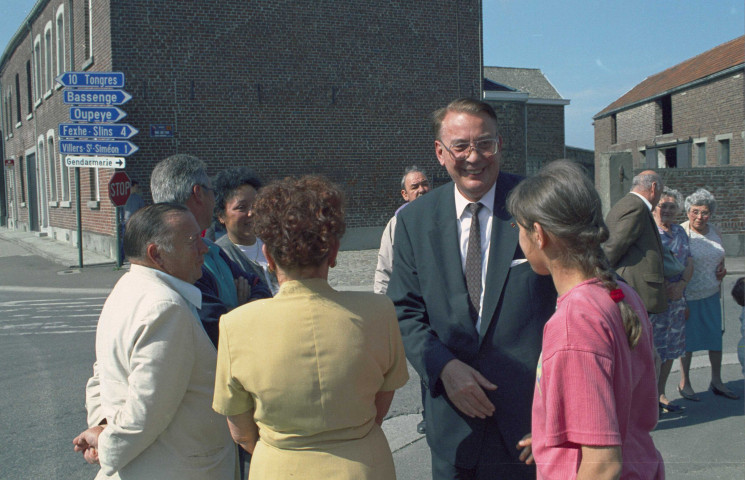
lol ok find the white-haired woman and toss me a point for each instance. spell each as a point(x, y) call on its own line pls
point(703, 327)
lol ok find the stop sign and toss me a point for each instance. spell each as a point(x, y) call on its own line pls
point(119, 187)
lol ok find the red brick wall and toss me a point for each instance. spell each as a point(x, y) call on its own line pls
point(343, 89)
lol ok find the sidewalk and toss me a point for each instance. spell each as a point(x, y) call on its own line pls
point(706, 441)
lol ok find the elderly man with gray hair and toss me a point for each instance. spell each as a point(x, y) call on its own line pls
point(155, 365)
point(414, 184)
point(182, 179)
point(634, 248)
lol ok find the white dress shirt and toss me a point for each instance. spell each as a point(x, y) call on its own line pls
point(464, 227)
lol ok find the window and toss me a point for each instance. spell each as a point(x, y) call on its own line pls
point(48, 72)
point(7, 114)
point(37, 68)
point(52, 162)
point(29, 91)
point(22, 171)
point(93, 183)
point(613, 130)
point(724, 151)
point(700, 154)
point(665, 106)
point(18, 98)
point(87, 30)
point(60, 40)
point(65, 179)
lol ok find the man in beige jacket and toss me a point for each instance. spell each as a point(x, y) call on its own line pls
point(155, 363)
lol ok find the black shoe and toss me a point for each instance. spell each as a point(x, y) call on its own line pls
point(422, 427)
point(724, 393)
point(670, 408)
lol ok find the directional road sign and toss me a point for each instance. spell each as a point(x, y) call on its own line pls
point(92, 79)
point(72, 161)
point(96, 114)
point(93, 147)
point(113, 131)
point(75, 96)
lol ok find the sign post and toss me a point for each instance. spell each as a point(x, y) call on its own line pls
point(94, 140)
point(119, 189)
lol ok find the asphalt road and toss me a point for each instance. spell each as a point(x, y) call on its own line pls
point(48, 315)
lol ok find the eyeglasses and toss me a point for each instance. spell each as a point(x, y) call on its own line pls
point(703, 213)
point(209, 189)
point(486, 147)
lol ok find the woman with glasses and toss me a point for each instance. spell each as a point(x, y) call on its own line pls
point(669, 326)
point(704, 324)
point(307, 377)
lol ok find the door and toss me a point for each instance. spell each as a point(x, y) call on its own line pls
point(33, 194)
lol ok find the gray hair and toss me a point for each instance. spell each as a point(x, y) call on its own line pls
point(461, 105)
point(672, 193)
point(150, 225)
point(411, 169)
point(644, 181)
point(701, 197)
point(173, 178)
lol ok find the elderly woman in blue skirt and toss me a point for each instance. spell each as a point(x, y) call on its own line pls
point(669, 326)
point(704, 324)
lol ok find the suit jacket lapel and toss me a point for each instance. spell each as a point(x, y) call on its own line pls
point(502, 246)
point(445, 244)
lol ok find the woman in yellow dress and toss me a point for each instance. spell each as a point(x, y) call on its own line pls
point(306, 378)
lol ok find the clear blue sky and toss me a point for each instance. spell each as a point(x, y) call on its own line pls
point(592, 51)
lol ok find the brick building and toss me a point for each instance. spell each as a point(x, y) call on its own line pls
point(531, 117)
point(333, 87)
point(688, 123)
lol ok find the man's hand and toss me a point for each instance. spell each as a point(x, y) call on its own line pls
point(243, 289)
point(465, 388)
point(675, 290)
point(87, 442)
point(526, 445)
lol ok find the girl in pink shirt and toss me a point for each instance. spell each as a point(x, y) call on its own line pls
point(595, 398)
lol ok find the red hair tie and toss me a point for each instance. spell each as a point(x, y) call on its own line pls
point(617, 295)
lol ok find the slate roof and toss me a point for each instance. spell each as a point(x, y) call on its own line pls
point(526, 80)
point(718, 59)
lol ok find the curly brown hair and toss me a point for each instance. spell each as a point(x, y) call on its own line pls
point(299, 220)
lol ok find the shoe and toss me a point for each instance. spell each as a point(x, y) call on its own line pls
point(422, 427)
point(691, 397)
point(670, 408)
point(724, 393)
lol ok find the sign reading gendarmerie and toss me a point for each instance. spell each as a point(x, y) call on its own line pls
point(94, 162)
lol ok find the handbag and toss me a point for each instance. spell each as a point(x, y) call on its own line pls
point(671, 265)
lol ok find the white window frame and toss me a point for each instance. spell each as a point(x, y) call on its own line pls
point(65, 182)
point(37, 70)
point(60, 32)
point(89, 3)
point(52, 169)
point(48, 69)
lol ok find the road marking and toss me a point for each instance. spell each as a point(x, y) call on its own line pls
point(53, 316)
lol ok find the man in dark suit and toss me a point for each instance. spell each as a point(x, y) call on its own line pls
point(470, 308)
point(634, 247)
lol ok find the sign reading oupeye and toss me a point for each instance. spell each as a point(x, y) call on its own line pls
point(94, 140)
